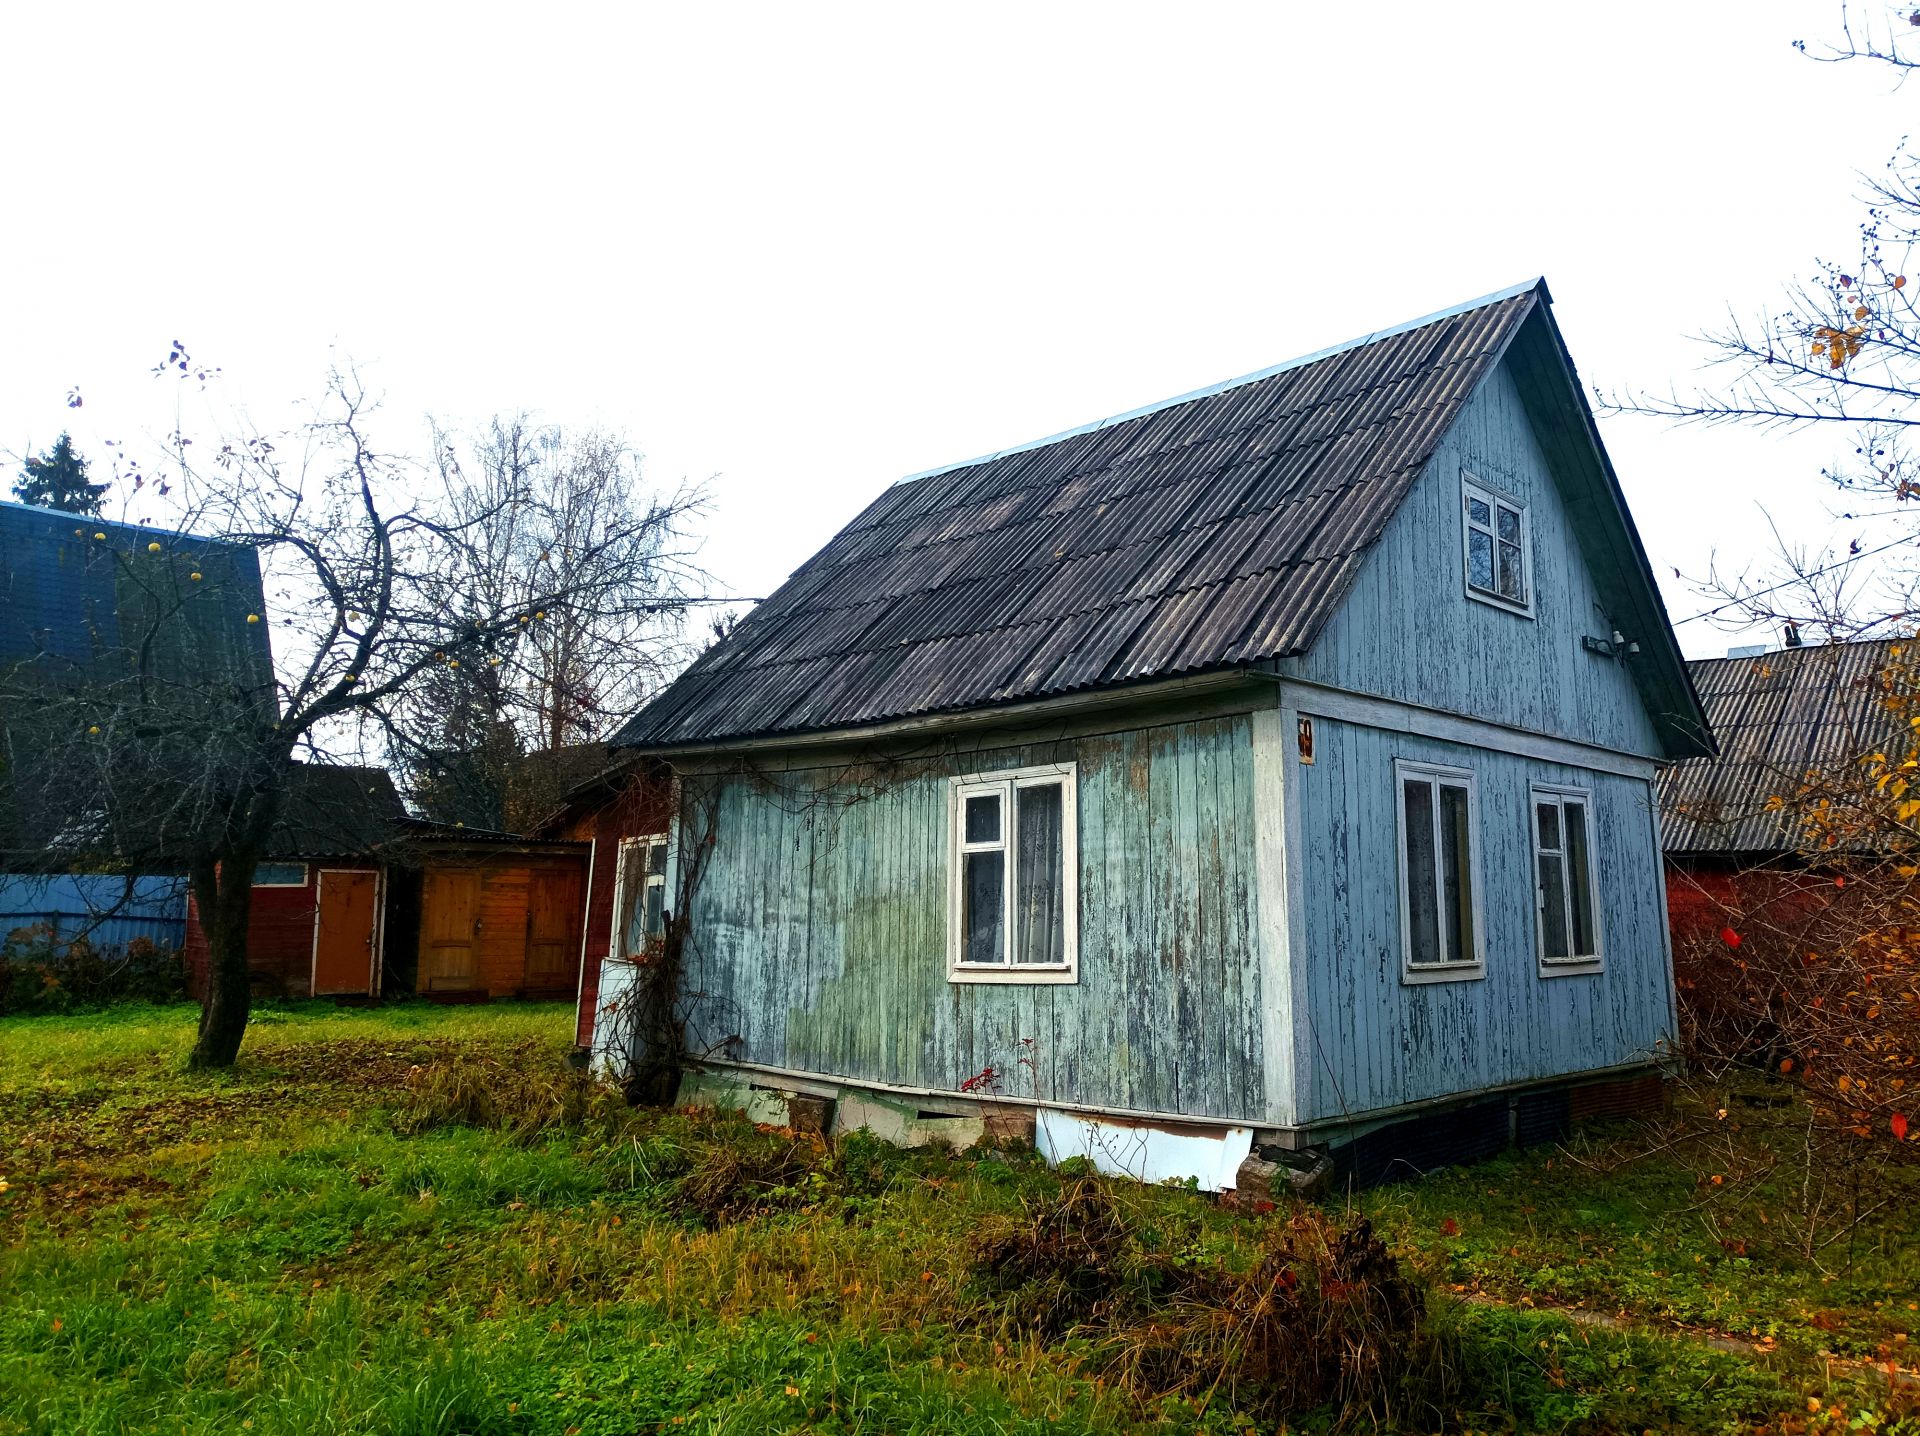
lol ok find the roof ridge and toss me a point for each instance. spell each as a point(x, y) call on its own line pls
point(1512, 291)
point(45, 511)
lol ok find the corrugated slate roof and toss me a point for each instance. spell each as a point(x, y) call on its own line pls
point(1217, 529)
point(1778, 716)
point(76, 591)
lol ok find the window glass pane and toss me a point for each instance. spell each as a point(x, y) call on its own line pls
point(627, 937)
point(1548, 816)
point(983, 818)
point(1580, 881)
point(286, 875)
point(1553, 906)
point(1039, 922)
point(1457, 873)
point(1478, 511)
point(656, 914)
point(1480, 559)
point(1512, 583)
point(983, 884)
point(1509, 525)
point(657, 857)
point(1423, 917)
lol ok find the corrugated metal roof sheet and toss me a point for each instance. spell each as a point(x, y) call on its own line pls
point(1778, 717)
point(1217, 529)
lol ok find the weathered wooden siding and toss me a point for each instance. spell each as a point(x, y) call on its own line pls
point(1365, 1039)
point(819, 928)
point(1408, 630)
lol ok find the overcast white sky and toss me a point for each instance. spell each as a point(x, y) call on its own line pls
point(808, 249)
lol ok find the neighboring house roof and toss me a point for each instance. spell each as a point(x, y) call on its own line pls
point(1779, 717)
point(337, 811)
point(1213, 531)
point(75, 589)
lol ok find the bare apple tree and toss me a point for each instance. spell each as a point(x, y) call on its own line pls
point(169, 743)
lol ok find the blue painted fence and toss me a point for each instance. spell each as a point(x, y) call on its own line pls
point(109, 911)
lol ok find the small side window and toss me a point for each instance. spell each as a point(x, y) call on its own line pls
point(1439, 888)
point(640, 895)
point(280, 875)
point(1498, 548)
point(1013, 885)
point(1565, 885)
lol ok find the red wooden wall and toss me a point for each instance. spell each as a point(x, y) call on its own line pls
point(279, 936)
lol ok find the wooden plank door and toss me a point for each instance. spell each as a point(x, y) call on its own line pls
point(553, 929)
point(343, 939)
point(449, 930)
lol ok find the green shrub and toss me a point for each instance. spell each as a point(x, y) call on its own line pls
point(39, 975)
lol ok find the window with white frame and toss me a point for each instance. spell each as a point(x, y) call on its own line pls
point(639, 894)
point(1498, 547)
point(1013, 884)
point(1440, 936)
point(1564, 883)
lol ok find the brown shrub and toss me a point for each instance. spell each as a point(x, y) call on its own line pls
point(1325, 1319)
point(1058, 1263)
point(525, 1092)
point(745, 1171)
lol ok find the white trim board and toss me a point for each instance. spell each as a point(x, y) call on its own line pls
point(1394, 716)
point(1272, 899)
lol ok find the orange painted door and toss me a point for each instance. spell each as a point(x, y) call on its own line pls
point(449, 930)
point(553, 928)
point(343, 943)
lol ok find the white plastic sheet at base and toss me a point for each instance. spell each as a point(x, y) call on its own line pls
point(1210, 1157)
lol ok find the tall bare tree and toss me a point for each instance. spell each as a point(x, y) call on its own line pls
point(546, 510)
point(170, 743)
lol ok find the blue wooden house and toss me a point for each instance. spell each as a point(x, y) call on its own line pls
point(1268, 767)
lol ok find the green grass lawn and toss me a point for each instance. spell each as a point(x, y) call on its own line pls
point(283, 1249)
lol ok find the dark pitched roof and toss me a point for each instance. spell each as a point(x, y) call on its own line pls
point(1778, 716)
point(1215, 530)
point(337, 811)
point(75, 591)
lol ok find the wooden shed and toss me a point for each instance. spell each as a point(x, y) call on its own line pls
point(357, 899)
point(320, 905)
point(499, 915)
point(1780, 714)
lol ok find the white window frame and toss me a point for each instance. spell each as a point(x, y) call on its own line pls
point(306, 873)
point(648, 880)
point(1585, 962)
point(1471, 487)
point(1437, 774)
point(1006, 784)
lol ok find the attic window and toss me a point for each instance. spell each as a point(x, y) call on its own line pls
point(1498, 547)
point(1013, 904)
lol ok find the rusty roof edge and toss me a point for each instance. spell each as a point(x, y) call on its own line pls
point(1513, 291)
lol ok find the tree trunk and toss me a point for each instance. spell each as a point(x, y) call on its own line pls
point(223, 894)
